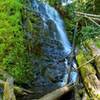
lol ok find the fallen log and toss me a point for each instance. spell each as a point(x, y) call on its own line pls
point(57, 93)
point(17, 89)
point(8, 91)
point(89, 78)
point(95, 51)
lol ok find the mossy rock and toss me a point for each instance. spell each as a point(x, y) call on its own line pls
point(95, 52)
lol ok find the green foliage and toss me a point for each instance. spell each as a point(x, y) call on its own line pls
point(53, 2)
point(86, 29)
point(89, 32)
point(13, 54)
point(84, 5)
point(97, 6)
point(97, 41)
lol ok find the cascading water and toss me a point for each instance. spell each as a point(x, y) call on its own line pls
point(48, 13)
point(66, 2)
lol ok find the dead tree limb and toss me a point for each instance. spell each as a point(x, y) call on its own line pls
point(86, 62)
point(17, 89)
point(57, 93)
point(86, 14)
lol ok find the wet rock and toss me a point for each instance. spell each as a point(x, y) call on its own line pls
point(49, 71)
point(48, 67)
point(47, 53)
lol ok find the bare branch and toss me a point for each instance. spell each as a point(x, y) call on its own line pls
point(86, 62)
point(86, 14)
point(57, 93)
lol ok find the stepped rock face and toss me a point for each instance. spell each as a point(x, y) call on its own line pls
point(46, 49)
point(50, 70)
point(47, 56)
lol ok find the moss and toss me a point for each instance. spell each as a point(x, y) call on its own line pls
point(14, 56)
point(97, 42)
point(88, 76)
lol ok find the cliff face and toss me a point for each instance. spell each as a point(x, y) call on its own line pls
point(45, 52)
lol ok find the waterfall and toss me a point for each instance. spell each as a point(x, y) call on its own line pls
point(49, 13)
point(66, 2)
